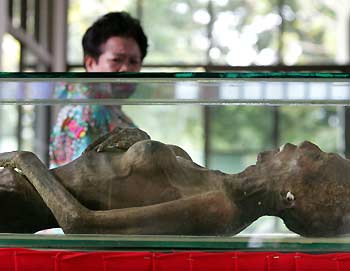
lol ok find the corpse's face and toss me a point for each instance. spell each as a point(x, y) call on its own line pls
point(119, 54)
point(298, 175)
point(305, 154)
point(314, 188)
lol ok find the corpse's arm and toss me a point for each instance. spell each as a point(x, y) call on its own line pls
point(124, 138)
point(118, 138)
point(63, 205)
point(206, 213)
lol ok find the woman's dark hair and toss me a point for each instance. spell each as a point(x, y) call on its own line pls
point(119, 24)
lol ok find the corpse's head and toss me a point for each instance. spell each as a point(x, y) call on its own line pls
point(312, 188)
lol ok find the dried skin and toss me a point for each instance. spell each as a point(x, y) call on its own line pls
point(126, 183)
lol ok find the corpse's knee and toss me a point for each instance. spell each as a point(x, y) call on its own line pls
point(150, 153)
point(180, 152)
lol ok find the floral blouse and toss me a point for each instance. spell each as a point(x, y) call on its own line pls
point(79, 125)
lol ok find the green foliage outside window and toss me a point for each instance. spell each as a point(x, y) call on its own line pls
point(226, 32)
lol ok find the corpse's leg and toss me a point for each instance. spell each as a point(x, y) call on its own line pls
point(63, 205)
point(22, 208)
point(209, 213)
point(206, 213)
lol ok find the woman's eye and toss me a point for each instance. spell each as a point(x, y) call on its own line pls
point(117, 60)
point(135, 62)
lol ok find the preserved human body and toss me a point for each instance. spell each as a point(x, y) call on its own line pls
point(126, 183)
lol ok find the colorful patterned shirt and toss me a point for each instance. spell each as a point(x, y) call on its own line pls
point(79, 125)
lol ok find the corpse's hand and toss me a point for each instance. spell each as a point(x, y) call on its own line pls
point(119, 138)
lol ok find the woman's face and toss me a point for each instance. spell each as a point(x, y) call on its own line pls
point(119, 54)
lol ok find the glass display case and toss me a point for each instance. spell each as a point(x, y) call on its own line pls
point(160, 186)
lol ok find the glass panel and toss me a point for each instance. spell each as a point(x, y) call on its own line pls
point(169, 88)
point(128, 185)
point(8, 129)
point(318, 124)
point(232, 150)
point(186, 120)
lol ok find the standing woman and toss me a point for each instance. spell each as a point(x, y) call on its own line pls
point(116, 42)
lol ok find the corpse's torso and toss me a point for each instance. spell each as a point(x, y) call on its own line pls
point(148, 173)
